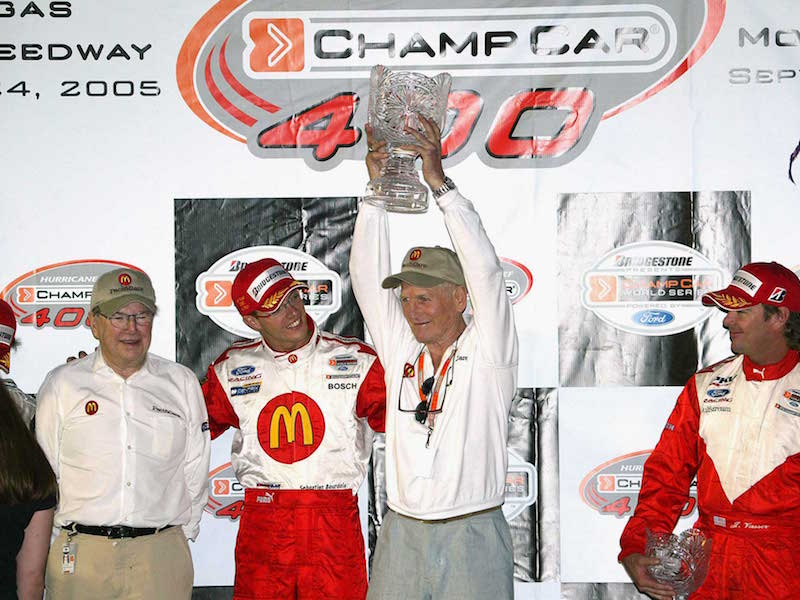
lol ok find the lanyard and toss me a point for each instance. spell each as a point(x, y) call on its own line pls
point(434, 401)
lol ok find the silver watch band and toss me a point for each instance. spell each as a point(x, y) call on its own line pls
point(446, 186)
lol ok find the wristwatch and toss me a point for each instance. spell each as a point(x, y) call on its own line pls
point(446, 186)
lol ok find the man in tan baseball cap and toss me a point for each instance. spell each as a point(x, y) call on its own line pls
point(126, 433)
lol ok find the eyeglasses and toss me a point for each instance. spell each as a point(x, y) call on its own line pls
point(424, 409)
point(120, 320)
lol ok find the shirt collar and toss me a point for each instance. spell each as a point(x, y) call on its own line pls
point(754, 372)
point(99, 364)
point(299, 354)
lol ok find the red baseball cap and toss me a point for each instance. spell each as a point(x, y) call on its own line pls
point(8, 327)
point(263, 285)
point(758, 283)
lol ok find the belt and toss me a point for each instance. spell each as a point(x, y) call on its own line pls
point(456, 518)
point(114, 532)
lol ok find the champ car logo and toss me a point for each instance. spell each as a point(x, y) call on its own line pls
point(213, 286)
point(650, 288)
point(225, 493)
point(531, 84)
point(57, 295)
point(613, 487)
point(521, 486)
point(518, 279)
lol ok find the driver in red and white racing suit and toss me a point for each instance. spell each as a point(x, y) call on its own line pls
point(304, 403)
point(736, 425)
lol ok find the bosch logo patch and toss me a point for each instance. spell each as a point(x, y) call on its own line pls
point(342, 386)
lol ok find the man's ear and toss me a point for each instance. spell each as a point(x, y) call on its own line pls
point(781, 317)
point(93, 325)
point(251, 322)
point(460, 296)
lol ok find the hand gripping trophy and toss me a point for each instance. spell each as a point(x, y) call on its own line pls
point(396, 98)
point(684, 559)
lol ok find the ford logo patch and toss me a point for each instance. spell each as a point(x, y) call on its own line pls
point(653, 318)
point(242, 371)
point(718, 393)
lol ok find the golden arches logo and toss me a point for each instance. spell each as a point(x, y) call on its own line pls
point(125, 279)
point(416, 254)
point(91, 407)
point(289, 421)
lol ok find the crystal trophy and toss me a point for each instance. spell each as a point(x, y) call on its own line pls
point(395, 100)
point(684, 559)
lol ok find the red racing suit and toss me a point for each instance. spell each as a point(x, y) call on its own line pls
point(304, 423)
point(736, 425)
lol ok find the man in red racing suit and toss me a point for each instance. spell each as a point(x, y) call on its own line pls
point(303, 402)
point(736, 425)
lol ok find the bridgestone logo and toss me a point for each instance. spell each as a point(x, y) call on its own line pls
point(745, 283)
point(654, 261)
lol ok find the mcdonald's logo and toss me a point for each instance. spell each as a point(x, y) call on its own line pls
point(289, 422)
point(91, 407)
point(290, 427)
point(124, 279)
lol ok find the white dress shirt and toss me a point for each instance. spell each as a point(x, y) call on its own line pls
point(129, 451)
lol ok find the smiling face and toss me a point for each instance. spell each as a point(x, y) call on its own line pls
point(756, 334)
point(124, 350)
point(286, 328)
point(434, 313)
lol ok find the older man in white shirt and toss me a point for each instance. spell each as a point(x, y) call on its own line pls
point(126, 433)
point(450, 380)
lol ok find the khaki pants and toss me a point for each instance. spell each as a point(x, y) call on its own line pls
point(150, 567)
point(464, 558)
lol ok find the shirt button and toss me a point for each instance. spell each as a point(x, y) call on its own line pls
point(129, 446)
point(129, 484)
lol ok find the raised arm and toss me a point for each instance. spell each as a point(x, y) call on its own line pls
point(492, 311)
point(370, 263)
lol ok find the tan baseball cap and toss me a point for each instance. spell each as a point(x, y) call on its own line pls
point(119, 287)
point(426, 267)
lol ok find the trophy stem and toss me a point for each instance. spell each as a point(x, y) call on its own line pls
point(398, 189)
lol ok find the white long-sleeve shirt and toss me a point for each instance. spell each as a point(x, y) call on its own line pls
point(463, 468)
point(129, 451)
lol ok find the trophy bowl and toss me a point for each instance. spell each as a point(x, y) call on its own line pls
point(684, 559)
point(396, 99)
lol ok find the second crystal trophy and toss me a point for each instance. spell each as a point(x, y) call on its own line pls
point(683, 559)
point(395, 100)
